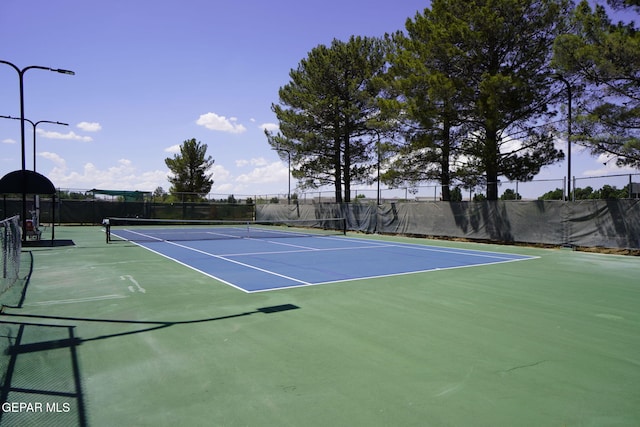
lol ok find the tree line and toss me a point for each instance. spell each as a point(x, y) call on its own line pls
point(470, 91)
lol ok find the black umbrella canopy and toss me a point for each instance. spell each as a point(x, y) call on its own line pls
point(27, 182)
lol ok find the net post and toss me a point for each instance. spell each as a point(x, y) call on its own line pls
point(107, 229)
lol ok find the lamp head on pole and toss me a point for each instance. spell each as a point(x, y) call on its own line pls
point(61, 71)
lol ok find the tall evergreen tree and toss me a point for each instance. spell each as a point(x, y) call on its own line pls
point(485, 81)
point(605, 58)
point(620, 4)
point(326, 113)
point(190, 170)
point(425, 87)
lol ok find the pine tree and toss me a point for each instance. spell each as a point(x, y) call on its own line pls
point(190, 170)
point(605, 58)
point(482, 87)
point(326, 112)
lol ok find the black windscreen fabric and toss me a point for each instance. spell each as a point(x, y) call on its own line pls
point(606, 223)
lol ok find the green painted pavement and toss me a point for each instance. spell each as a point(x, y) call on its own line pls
point(139, 340)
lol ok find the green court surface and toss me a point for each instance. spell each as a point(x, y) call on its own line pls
point(116, 335)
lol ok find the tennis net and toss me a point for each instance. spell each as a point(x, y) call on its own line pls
point(11, 242)
point(149, 230)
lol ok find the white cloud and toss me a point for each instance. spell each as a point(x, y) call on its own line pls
point(173, 149)
point(220, 174)
point(125, 174)
point(212, 121)
point(607, 160)
point(268, 173)
point(122, 176)
point(263, 173)
point(609, 167)
point(226, 188)
point(510, 146)
point(89, 126)
point(8, 141)
point(53, 157)
point(259, 161)
point(222, 179)
point(68, 136)
point(271, 127)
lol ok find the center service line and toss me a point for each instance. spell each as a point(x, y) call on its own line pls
point(240, 263)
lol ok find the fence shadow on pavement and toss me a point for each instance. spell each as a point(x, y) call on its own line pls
point(41, 371)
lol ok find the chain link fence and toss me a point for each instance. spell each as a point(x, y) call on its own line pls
point(88, 207)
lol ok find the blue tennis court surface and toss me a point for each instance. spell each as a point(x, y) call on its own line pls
point(256, 265)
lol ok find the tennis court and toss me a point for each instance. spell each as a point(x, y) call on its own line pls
point(463, 334)
point(269, 258)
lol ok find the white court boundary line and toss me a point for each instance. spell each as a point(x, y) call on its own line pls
point(380, 276)
point(224, 258)
point(75, 300)
point(435, 248)
point(504, 258)
point(302, 282)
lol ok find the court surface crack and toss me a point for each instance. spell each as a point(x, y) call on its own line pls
point(530, 365)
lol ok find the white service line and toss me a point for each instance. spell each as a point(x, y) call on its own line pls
point(307, 250)
point(430, 248)
point(403, 273)
point(240, 263)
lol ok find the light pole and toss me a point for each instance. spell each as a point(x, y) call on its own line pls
point(289, 156)
point(568, 85)
point(22, 120)
point(378, 155)
point(378, 177)
point(34, 132)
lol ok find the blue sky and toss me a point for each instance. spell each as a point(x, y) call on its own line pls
point(151, 74)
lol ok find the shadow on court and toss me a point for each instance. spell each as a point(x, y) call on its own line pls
point(152, 325)
point(41, 376)
point(41, 371)
point(48, 243)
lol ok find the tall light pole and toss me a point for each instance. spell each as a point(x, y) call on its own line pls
point(34, 132)
point(289, 156)
point(568, 85)
point(22, 120)
point(378, 167)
